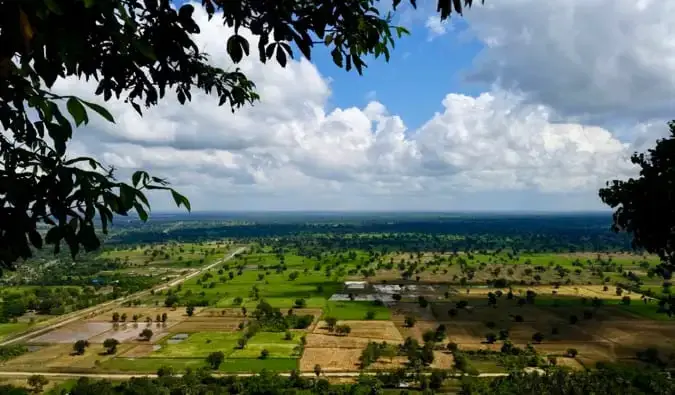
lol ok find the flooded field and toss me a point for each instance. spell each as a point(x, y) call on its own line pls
point(73, 332)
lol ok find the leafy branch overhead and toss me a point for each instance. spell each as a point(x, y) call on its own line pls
point(136, 51)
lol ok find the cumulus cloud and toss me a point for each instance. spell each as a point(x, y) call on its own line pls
point(291, 151)
point(589, 59)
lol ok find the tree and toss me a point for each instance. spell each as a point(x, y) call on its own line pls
point(370, 314)
point(343, 329)
point(410, 321)
point(146, 334)
point(116, 317)
point(330, 323)
point(452, 347)
point(264, 354)
point(215, 359)
point(572, 352)
point(190, 310)
point(300, 303)
point(80, 346)
point(642, 205)
point(123, 317)
point(37, 382)
point(490, 338)
point(317, 370)
point(111, 345)
point(164, 317)
point(136, 51)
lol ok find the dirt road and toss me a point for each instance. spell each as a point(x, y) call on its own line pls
point(76, 315)
point(115, 376)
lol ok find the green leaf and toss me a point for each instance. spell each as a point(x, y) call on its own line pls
point(127, 196)
point(77, 111)
point(281, 56)
point(100, 110)
point(137, 176)
point(142, 214)
point(234, 49)
point(180, 200)
point(337, 56)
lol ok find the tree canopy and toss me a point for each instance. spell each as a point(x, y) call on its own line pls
point(136, 51)
point(644, 206)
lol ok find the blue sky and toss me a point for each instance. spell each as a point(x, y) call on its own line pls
point(519, 105)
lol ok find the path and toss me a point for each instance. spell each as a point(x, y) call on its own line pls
point(79, 314)
point(117, 376)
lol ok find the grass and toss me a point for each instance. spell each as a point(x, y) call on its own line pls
point(199, 344)
point(8, 329)
point(273, 342)
point(144, 365)
point(355, 310)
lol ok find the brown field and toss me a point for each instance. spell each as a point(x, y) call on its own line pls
point(332, 341)
point(223, 324)
point(443, 360)
point(60, 356)
point(341, 359)
point(374, 330)
point(330, 359)
point(569, 363)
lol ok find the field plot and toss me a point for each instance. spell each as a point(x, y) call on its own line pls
point(198, 345)
point(355, 310)
point(330, 359)
point(60, 357)
point(128, 333)
point(73, 332)
point(216, 324)
point(375, 330)
point(273, 342)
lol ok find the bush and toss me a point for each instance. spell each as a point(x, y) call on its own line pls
point(111, 345)
point(370, 315)
point(410, 321)
point(264, 354)
point(215, 359)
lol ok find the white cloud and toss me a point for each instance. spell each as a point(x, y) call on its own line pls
point(437, 27)
point(494, 151)
point(592, 59)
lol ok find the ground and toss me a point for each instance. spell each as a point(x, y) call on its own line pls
point(606, 327)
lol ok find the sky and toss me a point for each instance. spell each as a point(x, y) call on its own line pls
point(518, 105)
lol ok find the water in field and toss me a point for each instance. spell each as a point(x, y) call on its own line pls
point(177, 338)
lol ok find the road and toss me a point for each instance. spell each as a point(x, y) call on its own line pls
point(114, 376)
point(79, 314)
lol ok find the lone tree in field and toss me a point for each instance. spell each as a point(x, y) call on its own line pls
point(138, 52)
point(146, 334)
point(110, 345)
point(330, 323)
point(190, 310)
point(317, 370)
point(215, 359)
point(80, 346)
